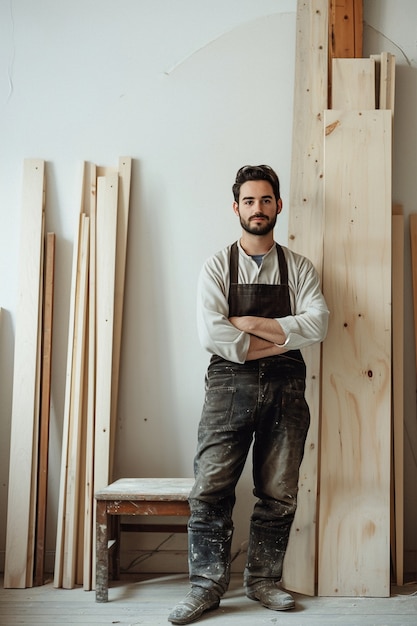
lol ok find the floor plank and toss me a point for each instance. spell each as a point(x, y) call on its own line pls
point(147, 601)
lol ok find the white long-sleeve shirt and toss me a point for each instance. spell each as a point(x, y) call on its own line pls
point(307, 324)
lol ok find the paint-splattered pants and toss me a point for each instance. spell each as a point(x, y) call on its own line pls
point(261, 401)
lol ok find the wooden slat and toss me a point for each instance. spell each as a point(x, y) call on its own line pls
point(36, 425)
point(345, 28)
point(106, 225)
point(306, 237)
point(76, 410)
point(356, 418)
point(125, 171)
point(45, 410)
point(384, 80)
point(345, 32)
point(59, 550)
point(91, 384)
point(353, 84)
point(398, 386)
point(25, 375)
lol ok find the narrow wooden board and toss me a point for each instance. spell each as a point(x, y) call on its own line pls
point(387, 82)
point(106, 226)
point(125, 172)
point(345, 33)
point(76, 411)
point(25, 375)
point(91, 387)
point(59, 549)
point(306, 225)
point(384, 80)
point(35, 446)
point(353, 84)
point(345, 28)
point(45, 410)
point(398, 386)
point(354, 520)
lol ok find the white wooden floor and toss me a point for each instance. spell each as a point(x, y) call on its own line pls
point(148, 601)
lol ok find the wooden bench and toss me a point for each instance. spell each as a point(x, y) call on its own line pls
point(134, 496)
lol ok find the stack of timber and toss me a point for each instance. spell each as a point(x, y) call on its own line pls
point(94, 338)
point(355, 477)
point(26, 514)
point(340, 187)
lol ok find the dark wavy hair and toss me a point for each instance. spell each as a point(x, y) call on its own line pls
point(256, 172)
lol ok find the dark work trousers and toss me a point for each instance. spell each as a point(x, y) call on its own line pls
point(261, 401)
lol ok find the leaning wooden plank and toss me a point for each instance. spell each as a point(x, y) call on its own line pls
point(45, 410)
point(398, 385)
point(77, 388)
point(35, 445)
point(106, 226)
point(125, 171)
point(354, 517)
point(384, 80)
point(59, 550)
point(91, 385)
point(306, 237)
point(353, 84)
point(387, 82)
point(24, 375)
point(345, 28)
point(345, 32)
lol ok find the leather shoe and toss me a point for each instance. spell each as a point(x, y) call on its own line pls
point(270, 596)
point(195, 603)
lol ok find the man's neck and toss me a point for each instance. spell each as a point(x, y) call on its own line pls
point(254, 244)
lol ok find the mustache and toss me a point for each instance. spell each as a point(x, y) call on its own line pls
point(258, 215)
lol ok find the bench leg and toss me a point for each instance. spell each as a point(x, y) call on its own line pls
point(102, 558)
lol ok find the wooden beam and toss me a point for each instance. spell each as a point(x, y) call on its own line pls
point(345, 33)
point(306, 224)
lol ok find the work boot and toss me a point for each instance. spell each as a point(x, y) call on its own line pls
point(195, 603)
point(270, 596)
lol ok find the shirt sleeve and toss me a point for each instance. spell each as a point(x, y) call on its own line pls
point(217, 335)
point(309, 321)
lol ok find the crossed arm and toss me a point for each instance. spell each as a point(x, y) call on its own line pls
point(266, 335)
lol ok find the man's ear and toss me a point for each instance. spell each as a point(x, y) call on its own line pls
point(279, 206)
point(236, 207)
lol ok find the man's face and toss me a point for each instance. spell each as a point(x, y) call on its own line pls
point(257, 208)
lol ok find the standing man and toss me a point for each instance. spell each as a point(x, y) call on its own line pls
point(258, 304)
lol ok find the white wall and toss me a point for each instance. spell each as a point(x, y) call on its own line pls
point(192, 90)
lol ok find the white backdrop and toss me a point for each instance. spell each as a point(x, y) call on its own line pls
point(192, 90)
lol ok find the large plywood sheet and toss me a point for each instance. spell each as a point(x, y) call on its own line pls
point(354, 521)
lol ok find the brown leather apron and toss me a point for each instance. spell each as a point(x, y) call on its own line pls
point(261, 300)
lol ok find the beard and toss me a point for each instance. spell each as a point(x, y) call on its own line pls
point(258, 229)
